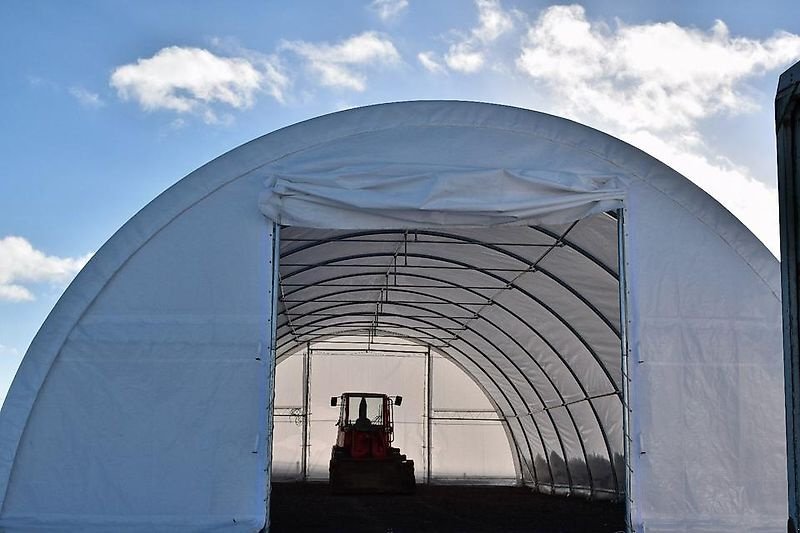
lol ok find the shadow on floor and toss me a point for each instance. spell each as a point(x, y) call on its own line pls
point(437, 508)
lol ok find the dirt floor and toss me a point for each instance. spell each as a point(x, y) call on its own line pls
point(310, 507)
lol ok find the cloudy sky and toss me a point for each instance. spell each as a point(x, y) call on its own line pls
point(106, 104)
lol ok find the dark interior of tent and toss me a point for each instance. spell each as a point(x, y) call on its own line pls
point(506, 345)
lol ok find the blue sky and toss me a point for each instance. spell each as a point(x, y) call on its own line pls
point(106, 104)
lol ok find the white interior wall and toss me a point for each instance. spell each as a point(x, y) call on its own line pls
point(334, 373)
point(287, 436)
point(469, 443)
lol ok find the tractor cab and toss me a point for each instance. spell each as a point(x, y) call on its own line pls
point(363, 459)
point(366, 422)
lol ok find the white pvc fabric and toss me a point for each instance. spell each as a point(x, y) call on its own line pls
point(487, 232)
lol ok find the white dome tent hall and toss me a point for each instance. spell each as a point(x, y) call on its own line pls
point(524, 278)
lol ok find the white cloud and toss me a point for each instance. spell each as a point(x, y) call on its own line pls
point(468, 54)
point(276, 82)
point(493, 21)
point(22, 264)
point(657, 76)
point(15, 293)
point(340, 65)
point(8, 351)
point(43, 83)
point(464, 58)
point(388, 9)
point(191, 80)
point(428, 60)
point(86, 98)
point(653, 85)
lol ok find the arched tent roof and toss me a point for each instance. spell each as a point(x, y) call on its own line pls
point(153, 361)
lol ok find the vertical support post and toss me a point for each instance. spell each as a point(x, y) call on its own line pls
point(428, 415)
point(269, 350)
point(306, 413)
point(787, 130)
point(626, 380)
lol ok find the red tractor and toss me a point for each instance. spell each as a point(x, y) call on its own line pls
point(363, 459)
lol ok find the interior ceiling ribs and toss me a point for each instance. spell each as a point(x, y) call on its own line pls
point(531, 313)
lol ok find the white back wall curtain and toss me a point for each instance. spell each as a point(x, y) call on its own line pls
point(446, 411)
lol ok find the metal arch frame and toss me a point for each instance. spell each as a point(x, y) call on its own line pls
point(501, 390)
point(436, 315)
point(534, 266)
point(512, 255)
point(550, 346)
point(546, 307)
point(366, 326)
point(510, 436)
point(565, 242)
point(556, 389)
point(591, 257)
point(297, 348)
point(448, 284)
point(487, 272)
point(545, 407)
point(516, 367)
